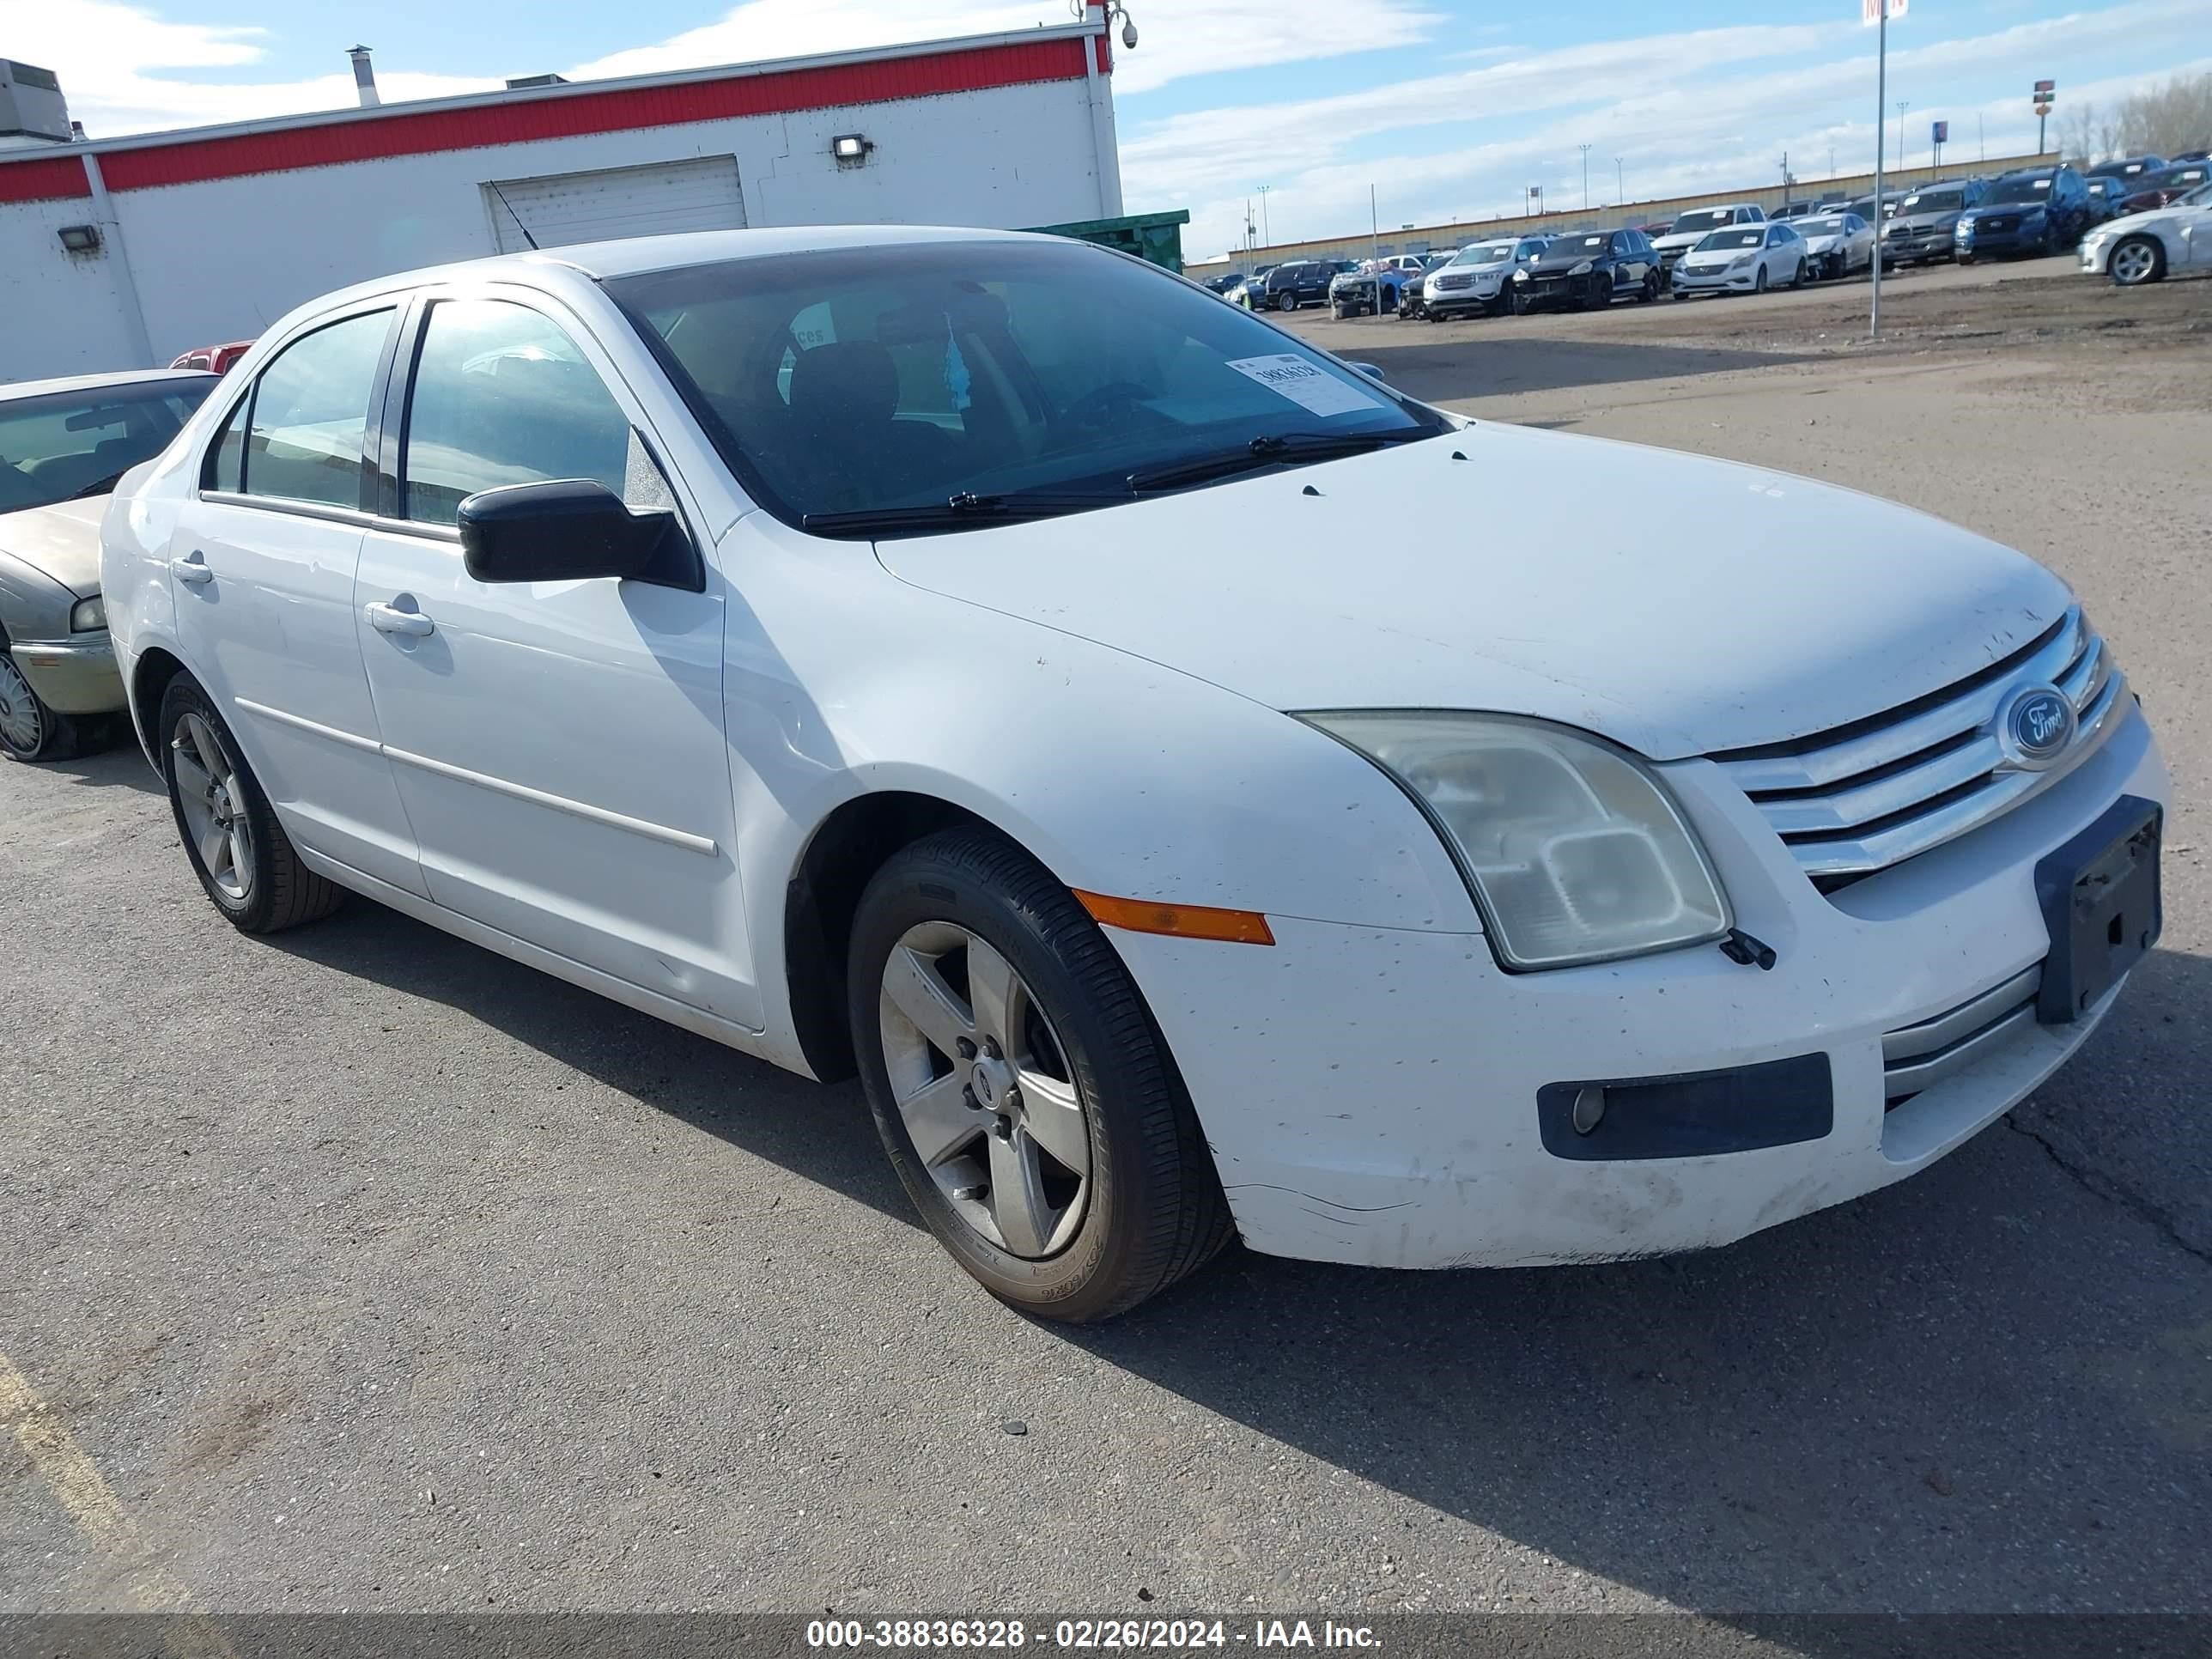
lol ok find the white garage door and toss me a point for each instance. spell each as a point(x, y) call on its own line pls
point(592, 207)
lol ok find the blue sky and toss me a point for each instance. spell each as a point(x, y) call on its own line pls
point(1447, 108)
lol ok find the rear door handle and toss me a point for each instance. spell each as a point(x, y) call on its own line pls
point(192, 569)
point(391, 619)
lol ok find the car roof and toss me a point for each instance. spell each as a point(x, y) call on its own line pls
point(96, 382)
point(639, 255)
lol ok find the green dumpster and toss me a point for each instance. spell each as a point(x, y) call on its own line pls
point(1154, 236)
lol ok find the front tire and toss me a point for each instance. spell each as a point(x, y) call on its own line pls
point(30, 731)
point(1026, 1101)
point(2137, 261)
point(1758, 283)
point(241, 854)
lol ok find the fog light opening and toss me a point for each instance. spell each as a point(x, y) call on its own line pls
point(1589, 1109)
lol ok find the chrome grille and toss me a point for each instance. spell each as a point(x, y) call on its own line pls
point(1862, 797)
point(1452, 283)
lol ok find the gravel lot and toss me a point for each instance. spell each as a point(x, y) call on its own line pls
point(369, 1270)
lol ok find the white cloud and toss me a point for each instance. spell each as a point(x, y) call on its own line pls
point(117, 66)
point(122, 65)
point(1184, 39)
point(1657, 101)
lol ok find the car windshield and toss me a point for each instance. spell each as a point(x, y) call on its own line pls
point(1721, 240)
point(2019, 189)
point(1581, 247)
point(1488, 253)
point(869, 380)
point(1706, 219)
point(64, 446)
point(1820, 227)
point(2200, 197)
point(1934, 201)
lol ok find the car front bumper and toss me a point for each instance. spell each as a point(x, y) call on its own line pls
point(1462, 298)
point(74, 676)
point(1686, 280)
point(1594, 288)
point(1983, 243)
point(1373, 1096)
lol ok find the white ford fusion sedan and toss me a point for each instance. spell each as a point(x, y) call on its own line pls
point(935, 654)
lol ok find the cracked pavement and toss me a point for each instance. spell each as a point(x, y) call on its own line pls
point(369, 1270)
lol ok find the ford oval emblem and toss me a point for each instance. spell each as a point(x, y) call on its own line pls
point(2036, 726)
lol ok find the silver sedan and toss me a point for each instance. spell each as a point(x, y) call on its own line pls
point(1836, 244)
point(64, 444)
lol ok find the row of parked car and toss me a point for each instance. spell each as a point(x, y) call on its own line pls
point(1736, 247)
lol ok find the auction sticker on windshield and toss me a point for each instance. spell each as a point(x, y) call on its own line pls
point(1303, 384)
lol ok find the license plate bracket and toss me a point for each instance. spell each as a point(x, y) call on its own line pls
point(2102, 906)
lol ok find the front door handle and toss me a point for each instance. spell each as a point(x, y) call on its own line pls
point(391, 619)
point(192, 569)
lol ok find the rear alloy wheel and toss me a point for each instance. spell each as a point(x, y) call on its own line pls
point(1022, 1091)
point(239, 851)
point(30, 731)
point(2135, 261)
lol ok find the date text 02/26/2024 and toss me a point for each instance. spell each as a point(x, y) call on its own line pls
point(1082, 1635)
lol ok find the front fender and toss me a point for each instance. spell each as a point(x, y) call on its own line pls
point(1120, 776)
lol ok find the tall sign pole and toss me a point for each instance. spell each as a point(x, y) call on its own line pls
point(2046, 93)
point(1878, 13)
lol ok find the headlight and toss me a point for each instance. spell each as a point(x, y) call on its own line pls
point(86, 615)
point(1740, 262)
point(1573, 849)
point(1583, 268)
point(1520, 275)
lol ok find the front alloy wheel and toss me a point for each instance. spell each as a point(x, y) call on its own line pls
point(2135, 261)
point(1027, 1102)
point(30, 731)
point(983, 1089)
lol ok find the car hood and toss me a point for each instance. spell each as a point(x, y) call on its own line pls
point(1678, 241)
point(2120, 227)
point(2001, 210)
point(1551, 263)
point(61, 540)
point(1707, 620)
point(1942, 218)
point(1716, 258)
point(1825, 240)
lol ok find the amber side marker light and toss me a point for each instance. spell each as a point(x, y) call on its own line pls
point(1180, 921)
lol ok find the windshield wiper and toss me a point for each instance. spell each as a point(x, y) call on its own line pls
point(966, 507)
point(100, 486)
point(1290, 447)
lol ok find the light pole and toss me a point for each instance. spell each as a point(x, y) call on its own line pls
point(1620, 180)
point(1585, 149)
point(1903, 105)
point(1266, 236)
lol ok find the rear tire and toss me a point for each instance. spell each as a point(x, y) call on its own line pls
point(244, 861)
point(1148, 1208)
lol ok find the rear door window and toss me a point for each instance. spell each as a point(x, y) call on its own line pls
point(310, 413)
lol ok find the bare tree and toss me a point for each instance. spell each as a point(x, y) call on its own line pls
point(2077, 134)
point(2174, 117)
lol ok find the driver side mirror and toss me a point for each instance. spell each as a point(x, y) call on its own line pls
point(562, 530)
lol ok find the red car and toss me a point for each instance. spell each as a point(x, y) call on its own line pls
point(2161, 189)
point(217, 359)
